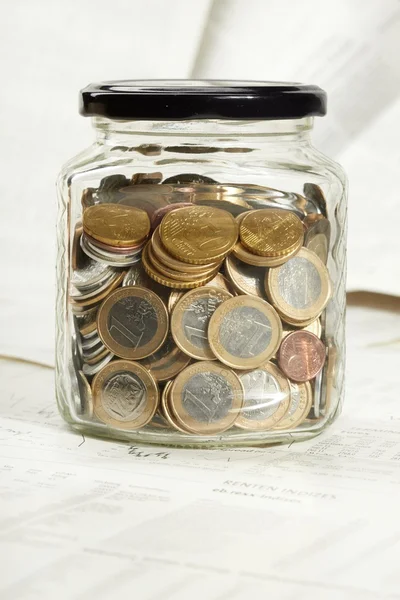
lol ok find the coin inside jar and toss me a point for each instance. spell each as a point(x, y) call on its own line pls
point(300, 405)
point(166, 362)
point(245, 279)
point(266, 398)
point(133, 322)
point(301, 356)
point(191, 317)
point(301, 288)
point(271, 232)
point(198, 234)
point(244, 332)
point(206, 398)
point(116, 225)
point(125, 395)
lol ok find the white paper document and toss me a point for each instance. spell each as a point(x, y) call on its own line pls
point(82, 518)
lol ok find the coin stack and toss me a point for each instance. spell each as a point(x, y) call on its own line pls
point(198, 308)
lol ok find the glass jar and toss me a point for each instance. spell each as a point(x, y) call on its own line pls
point(201, 266)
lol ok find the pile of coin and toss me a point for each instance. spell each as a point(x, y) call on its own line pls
point(197, 307)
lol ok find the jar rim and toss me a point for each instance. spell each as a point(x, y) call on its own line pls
point(175, 100)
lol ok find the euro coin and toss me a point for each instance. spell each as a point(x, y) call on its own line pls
point(125, 395)
point(301, 399)
point(190, 319)
point(245, 279)
point(198, 235)
point(133, 322)
point(244, 332)
point(166, 362)
point(271, 232)
point(301, 356)
point(116, 225)
point(266, 398)
point(206, 398)
point(301, 288)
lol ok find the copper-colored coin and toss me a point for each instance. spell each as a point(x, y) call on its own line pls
point(167, 362)
point(168, 281)
point(190, 319)
point(116, 225)
point(301, 356)
point(301, 398)
point(199, 235)
point(271, 232)
point(173, 263)
point(133, 322)
point(244, 332)
point(160, 213)
point(301, 288)
point(114, 249)
point(266, 398)
point(125, 395)
point(206, 398)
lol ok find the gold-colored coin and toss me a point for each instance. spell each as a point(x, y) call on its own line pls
point(178, 275)
point(301, 398)
point(166, 409)
point(77, 254)
point(271, 232)
point(314, 327)
point(206, 397)
point(244, 332)
point(162, 255)
point(80, 306)
point(317, 235)
point(125, 395)
point(219, 281)
point(190, 319)
point(301, 288)
point(116, 225)
point(245, 279)
point(97, 358)
point(198, 235)
point(168, 281)
point(244, 255)
point(85, 394)
point(266, 398)
point(167, 362)
point(133, 322)
point(87, 324)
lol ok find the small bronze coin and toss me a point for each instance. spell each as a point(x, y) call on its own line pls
point(244, 332)
point(206, 398)
point(125, 395)
point(167, 362)
point(133, 322)
point(266, 398)
point(271, 232)
point(301, 356)
point(198, 234)
point(116, 225)
point(190, 319)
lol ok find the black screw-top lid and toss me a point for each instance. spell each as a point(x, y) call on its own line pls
point(202, 99)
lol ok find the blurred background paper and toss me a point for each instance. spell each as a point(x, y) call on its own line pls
point(52, 48)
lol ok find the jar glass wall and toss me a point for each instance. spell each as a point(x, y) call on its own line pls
point(201, 282)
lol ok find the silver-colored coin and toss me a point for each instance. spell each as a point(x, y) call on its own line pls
point(316, 197)
point(111, 260)
point(299, 283)
point(207, 397)
point(136, 276)
point(262, 395)
point(93, 273)
point(85, 391)
point(91, 354)
point(124, 396)
point(93, 369)
point(246, 279)
point(245, 332)
point(91, 342)
point(93, 291)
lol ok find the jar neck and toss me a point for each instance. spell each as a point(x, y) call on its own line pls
point(208, 132)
